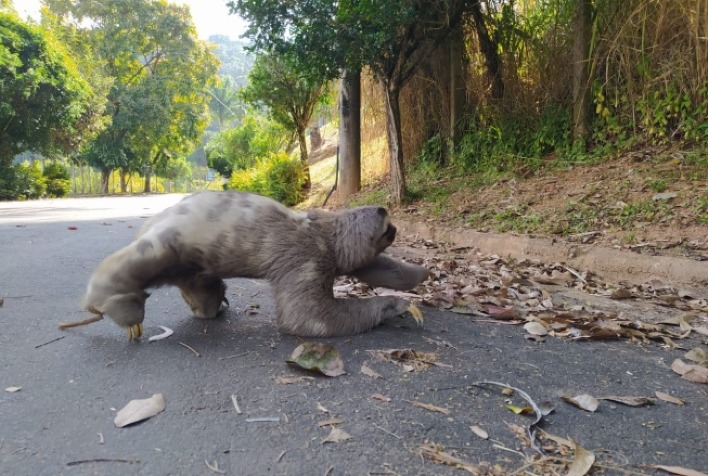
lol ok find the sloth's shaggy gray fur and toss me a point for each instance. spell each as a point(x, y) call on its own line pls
point(211, 236)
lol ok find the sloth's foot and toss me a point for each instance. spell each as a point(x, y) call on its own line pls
point(417, 315)
point(135, 331)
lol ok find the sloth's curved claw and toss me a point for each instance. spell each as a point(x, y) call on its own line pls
point(135, 331)
point(415, 312)
point(224, 304)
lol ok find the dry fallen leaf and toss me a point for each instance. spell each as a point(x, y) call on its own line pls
point(693, 373)
point(336, 436)
point(582, 463)
point(139, 410)
point(321, 357)
point(631, 401)
point(584, 402)
point(321, 408)
point(668, 398)
point(435, 453)
point(428, 406)
point(383, 398)
point(678, 470)
point(536, 328)
point(13, 389)
point(697, 355)
point(368, 371)
point(477, 430)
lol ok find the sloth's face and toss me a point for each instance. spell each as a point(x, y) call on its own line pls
point(386, 232)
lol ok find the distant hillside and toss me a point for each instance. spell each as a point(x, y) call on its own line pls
point(236, 62)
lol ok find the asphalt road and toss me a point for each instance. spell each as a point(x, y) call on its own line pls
point(61, 421)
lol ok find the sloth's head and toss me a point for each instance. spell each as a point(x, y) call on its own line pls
point(362, 233)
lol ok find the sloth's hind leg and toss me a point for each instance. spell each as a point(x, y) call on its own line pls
point(204, 294)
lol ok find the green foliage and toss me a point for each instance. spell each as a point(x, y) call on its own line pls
point(43, 98)
point(276, 176)
point(240, 147)
point(658, 185)
point(158, 105)
point(509, 143)
point(58, 179)
point(22, 182)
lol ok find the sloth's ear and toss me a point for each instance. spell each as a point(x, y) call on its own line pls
point(388, 272)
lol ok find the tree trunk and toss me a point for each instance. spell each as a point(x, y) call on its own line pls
point(304, 159)
point(489, 51)
point(105, 175)
point(395, 150)
point(123, 182)
point(148, 180)
point(457, 87)
point(349, 135)
point(582, 100)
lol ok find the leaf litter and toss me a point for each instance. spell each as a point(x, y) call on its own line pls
point(515, 292)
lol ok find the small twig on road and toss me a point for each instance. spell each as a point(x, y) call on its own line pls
point(530, 429)
point(263, 419)
point(90, 320)
point(280, 456)
point(190, 348)
point(49, 342)
point(234, 356)
point(235, 402)
point(386, 431)
point(576, 274)
point(329, 471)
point(214, 467)
point(102, 460)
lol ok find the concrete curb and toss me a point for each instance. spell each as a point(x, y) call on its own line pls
point(611, 264)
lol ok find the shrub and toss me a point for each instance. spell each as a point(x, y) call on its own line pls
point(275, 176)
point(58, 179)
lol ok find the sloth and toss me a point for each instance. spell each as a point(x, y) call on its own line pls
point(211, 236)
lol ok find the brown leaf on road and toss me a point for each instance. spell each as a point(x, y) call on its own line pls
point(320, 357)
point(535, 328)
point(621, 293)
point(631, 401)
point(697, 355)
point(678, 470)
point(435, 453)
point(582, 463)
point(691, 372)
point(139, 410)
point(369, 372)
point(416, 360)
point(336, 436)
point(501, 313)
point(585, 402)
point(668, 398)
point(479, 431)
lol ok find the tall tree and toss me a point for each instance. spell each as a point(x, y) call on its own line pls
point(391, 37)
point(44, 102)
point(582, 98)
point(158, 105)
point(289, 96)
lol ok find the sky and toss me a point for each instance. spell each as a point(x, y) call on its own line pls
point(210, 16)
